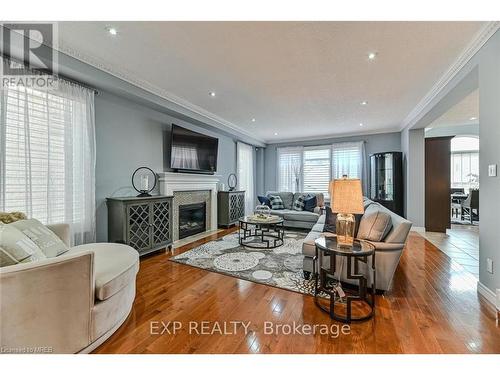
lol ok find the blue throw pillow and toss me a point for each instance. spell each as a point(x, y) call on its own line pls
point(310, 203)
point(264, 200)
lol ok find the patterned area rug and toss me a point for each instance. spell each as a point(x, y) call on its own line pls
point(280, 267)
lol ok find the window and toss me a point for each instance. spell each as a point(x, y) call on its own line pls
point(347, 159)
point(316, 169)
point(465, 163)
point(48, 155)
point(311, 169)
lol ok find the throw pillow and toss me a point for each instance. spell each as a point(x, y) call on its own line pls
point(16, 248)
point(276, 202)
point(43, 237)
point(10, 217)
point(264, 200)
point(310, 203)
point(375, 226)
point(299, 204)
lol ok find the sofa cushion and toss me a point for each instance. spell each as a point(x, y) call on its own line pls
point(310, 217)
point(276, 202)
point(115, 266)
point(16, 247)
point(331, 222)
point(45, 239)
point(375, 225)
point(285, 196)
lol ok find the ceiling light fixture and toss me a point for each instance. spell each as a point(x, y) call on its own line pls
point(364, 102)
point(275, 133)
point(253, 120)
point(360, 124)
point(212, 94)
point(112, 30)
point(372, 55)
point(473, 118)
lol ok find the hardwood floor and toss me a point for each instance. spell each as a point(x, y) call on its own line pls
point(433, 307)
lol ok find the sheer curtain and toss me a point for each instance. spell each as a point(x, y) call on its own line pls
point(47, 166)
point(289, 160)
point(245, 165)
point(348, 158)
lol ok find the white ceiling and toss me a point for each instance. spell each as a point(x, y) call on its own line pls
point(297, 79)
point(461, 113)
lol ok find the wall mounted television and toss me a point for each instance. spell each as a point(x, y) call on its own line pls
point(192, 151)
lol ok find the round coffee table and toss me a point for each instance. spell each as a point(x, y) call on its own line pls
point(269, 233)
point(361, 251)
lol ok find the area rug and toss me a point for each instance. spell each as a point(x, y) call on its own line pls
point(280, 267)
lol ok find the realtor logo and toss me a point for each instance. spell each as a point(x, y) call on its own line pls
point(31, 60)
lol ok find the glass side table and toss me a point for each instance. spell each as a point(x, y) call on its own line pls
point(362, 251)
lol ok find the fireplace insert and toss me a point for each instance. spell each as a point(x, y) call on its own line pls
point(192, 219)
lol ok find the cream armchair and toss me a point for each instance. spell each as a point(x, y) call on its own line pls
point(68, 304)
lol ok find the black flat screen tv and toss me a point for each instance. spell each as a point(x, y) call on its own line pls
point(192, 151)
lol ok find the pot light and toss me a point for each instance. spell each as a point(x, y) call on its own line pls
point(112, 30)
point(212, 94)
point(275, 133)
point(372, 55)
point(364, 102)
point(360, 124)
point(473, 118)
point(253, 120)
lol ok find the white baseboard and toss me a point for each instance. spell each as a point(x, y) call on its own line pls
point(487, 294)
point(418, 229)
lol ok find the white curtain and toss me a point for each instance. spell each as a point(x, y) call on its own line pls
point(289, 168)
point(245, 165)
point(348, 158)
point(47, 166)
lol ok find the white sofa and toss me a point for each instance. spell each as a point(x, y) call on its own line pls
point(68, 304)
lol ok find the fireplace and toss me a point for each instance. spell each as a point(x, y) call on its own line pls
point(192, 219)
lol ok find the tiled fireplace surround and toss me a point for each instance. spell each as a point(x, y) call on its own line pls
point(190, 188)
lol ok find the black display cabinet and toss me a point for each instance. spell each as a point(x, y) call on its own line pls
point(386, 180)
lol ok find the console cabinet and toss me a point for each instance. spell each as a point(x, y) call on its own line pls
point(230, 207)
point(144, 223)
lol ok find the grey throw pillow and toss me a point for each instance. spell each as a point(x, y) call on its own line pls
point(299, 203)
point(15, 247)
point(276, 202)
point(374, 226)
point(46, 240)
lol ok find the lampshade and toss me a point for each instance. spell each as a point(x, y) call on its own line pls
point(346, 195)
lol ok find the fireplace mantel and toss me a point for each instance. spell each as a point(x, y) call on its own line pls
point(170, 182)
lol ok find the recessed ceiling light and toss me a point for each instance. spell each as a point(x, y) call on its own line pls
point(275, 133)
point(372, 55)
point(360, 124)
point(253, 120)
point(473, 118)
point(212, 94)
point(364, 102)
point(112, 30)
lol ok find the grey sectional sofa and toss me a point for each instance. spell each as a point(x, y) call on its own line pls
point(387, 253)
point(297, 219)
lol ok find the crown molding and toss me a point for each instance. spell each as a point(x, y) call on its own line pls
point(332, 136)
point(128, 77)
point(474, 46)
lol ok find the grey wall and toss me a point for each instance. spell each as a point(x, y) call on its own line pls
point(130, 135)
point(413, 147)
point(374, 143)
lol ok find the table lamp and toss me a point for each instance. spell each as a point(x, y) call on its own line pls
point(347, 199)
